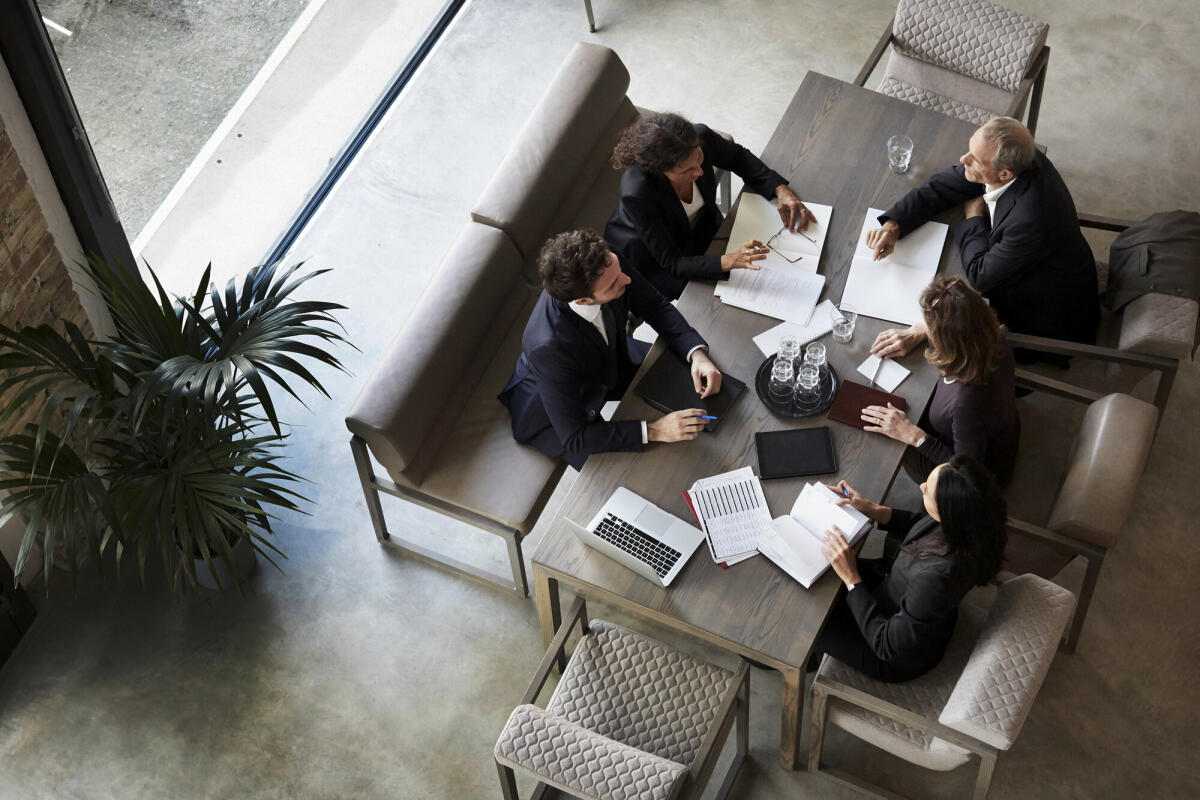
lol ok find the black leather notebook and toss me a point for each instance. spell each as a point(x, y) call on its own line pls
point(790, 454)
point(668, 386)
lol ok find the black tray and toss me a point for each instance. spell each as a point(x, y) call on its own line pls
point(828, 388)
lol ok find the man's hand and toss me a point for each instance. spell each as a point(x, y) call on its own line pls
point(795, 215)
point(975, 207)
point(841, 557)
point(676, 427)
point(848, 496)
point(883, 240)
point(898, 342)
point(744, 258)
point(705, 375)
point(891, 422)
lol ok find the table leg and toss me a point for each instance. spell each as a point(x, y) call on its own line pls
point(545, 592)
point(793, 714)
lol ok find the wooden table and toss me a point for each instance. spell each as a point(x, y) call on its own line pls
point(831, 145)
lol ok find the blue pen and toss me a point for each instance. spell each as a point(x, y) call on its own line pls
point(845, 493)
point(704, 416)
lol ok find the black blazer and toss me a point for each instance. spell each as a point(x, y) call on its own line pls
point(566, 373)
point(907, 606)
point(649, 231)
point(1031, 262)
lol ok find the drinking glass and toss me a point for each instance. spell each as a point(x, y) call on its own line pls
point(780, 386)
point(899, 150)
point(807, 391)
point(815, 354)
point(789, 349)
point(843, 317)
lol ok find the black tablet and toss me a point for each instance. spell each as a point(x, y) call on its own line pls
point(790, 454)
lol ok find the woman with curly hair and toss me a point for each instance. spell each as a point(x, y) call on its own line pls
point(667, 215)
point(973, 410)
point(899, 612)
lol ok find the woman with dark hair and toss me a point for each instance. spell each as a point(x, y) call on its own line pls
point(973, 410)
point(899, 611)
point(667, 215)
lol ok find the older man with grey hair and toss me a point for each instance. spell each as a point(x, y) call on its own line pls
point(1020, 243)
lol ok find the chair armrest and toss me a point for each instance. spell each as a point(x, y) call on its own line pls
point(1022, 528)
point(740, 679)
point(1065, 348)
point(898, 713)
point(876, 54)
point(557, 646)
point(1104, 223)
point(1032, 380)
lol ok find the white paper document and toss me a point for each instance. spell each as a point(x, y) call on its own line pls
point(794, 541)
point(732, 512)
point(890, 289)
point(821, 324)
point(888, 375)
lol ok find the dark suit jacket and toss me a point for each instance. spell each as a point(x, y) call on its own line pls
point(1031, 262)
point(649, 231)
point(906, 609)
point(566, 373)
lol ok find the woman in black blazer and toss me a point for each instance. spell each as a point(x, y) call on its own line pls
point(899, 612)
point(973, 410)
point(662, 227)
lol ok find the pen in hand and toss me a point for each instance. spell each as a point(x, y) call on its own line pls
point(705, 416)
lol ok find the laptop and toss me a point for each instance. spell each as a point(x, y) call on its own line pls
point(638, 534)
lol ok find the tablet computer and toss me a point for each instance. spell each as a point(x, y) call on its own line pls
point(790, 454)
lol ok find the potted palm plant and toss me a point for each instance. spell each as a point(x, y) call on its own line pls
point(162, 443)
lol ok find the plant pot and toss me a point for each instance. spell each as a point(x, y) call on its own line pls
point(243, 555)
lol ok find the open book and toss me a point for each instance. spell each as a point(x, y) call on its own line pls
point(890, 289)
point(786, 286)
point(794, 541)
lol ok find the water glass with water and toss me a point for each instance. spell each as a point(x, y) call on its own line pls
point(899, 150)
point(843, 316)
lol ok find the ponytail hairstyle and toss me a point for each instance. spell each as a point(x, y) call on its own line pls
point(657, 143)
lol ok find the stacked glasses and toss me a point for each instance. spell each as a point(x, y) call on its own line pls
point(796, 377)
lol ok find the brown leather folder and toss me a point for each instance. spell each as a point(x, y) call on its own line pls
point(853, 397)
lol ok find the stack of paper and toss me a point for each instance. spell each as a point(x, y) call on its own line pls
point(787, 285)
point(886, 375)
point(890, 289)
point(821, 324)
point(732, 512)
point(794, 542)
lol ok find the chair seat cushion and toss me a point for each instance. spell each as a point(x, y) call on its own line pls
point(927, 696)
point(1159, 324)
point(941, 90)
point(635, 690)
point(479, 466)
point(583, 762)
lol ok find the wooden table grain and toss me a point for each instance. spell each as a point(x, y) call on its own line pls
point(830, 144)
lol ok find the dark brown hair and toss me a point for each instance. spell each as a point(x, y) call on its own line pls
point(570, 264)
point(965, 337)
point(973, 511)
point(656, 143)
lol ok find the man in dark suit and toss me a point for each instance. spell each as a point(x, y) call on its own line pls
point(1020, 243)
point(575, 355)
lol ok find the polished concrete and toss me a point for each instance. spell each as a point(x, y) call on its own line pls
point(359, 672)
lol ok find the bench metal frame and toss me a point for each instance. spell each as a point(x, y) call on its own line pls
point(373, 484)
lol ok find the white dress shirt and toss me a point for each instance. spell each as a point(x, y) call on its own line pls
point(692, 209)
point(991, 196)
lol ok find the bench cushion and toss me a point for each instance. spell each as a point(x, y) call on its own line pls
point(1160, 325)
point(556, 153)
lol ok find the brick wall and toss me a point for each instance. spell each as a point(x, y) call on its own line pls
point(35, 287)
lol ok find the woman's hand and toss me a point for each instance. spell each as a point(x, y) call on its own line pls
point(898, 342)
point(848, 496)
point(744, 258)
point(892, 422)
point(841, 557)
point(795, 215)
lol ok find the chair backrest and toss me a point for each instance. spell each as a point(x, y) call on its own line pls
point(560, 151)
point(976, 38)
point(422, 383)
point(1014, 650)
point(1104, 468)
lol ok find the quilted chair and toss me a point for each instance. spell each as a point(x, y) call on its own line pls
point(964, 58)
point(630, 719)
point(974, 702)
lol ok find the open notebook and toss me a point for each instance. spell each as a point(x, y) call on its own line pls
point(794, 541)
point(890, 289)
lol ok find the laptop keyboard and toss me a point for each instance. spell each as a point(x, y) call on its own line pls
point(620, 533)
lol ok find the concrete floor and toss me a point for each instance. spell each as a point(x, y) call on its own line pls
point(361, 673)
